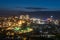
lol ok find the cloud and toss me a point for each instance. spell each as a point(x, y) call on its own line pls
point(29, 9)
point(35, 8)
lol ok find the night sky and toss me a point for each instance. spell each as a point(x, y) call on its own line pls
point(6, 7)
point(13, 4)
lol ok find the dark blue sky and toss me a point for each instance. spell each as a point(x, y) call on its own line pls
point(12, 4)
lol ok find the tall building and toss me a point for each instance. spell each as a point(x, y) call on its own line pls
point(27, 17)
point(22, 17)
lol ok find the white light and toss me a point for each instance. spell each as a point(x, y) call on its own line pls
point(51, 16)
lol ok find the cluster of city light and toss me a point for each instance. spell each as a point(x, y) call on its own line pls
point(21, 30)
point(17, 22)
point(13, 21)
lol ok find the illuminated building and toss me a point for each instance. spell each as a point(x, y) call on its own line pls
point(38, 21)
point(27, 17)
point(56, 22)
point(9, 23)
point(9, 18)
point(22, 17)
point(5, 19)
point(33, 20)
point(16, 17)
point(20, 22)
